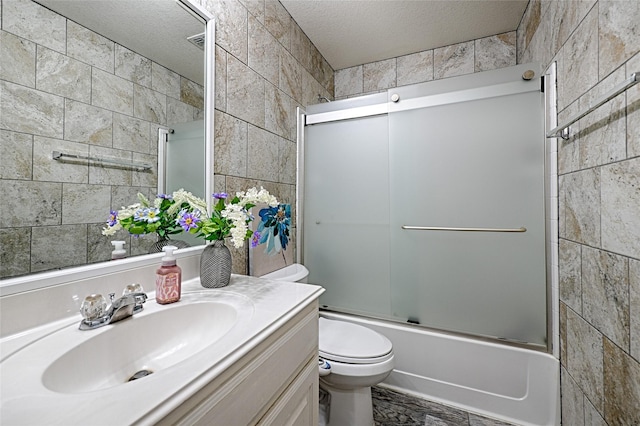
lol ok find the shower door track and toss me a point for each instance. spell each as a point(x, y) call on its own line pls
point(425, 101)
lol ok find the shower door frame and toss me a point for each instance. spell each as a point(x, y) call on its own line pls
point(548, 86)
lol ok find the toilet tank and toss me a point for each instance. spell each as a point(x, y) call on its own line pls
point(292, 273)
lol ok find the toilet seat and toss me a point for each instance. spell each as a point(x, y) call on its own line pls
point(349, 343)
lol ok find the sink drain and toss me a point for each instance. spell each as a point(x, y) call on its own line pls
point(139, 375)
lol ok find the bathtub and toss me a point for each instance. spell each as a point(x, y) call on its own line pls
point(516, 385)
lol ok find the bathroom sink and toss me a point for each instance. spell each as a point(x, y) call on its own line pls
point(146, 344)
point(59, 375)
point(139, 346)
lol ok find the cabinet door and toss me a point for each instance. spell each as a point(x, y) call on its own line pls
point(298, 405)
point(255, 388)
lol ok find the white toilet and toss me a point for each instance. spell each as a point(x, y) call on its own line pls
point(358, 358)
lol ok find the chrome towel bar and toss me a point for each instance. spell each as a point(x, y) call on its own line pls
point(563, 131)
point(441, 228)
point(57, 155)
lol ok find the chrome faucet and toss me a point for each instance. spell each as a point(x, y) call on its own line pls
point(96, 314)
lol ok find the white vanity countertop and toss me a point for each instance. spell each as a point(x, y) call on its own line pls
point(26, 401)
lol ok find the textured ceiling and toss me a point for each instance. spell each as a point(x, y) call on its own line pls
point(354, 32)
point(347, 32)
point(156, 29)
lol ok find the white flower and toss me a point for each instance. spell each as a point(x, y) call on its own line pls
point(111, 230)
point(253, 196)
point(126, 212)
point(239, 217)
point(143, 200)
point(182, 196)
point(234, 212)
point(238, 234)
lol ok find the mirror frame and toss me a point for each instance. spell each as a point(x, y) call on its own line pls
point(44, 279)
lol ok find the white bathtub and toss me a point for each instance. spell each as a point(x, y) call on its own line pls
point(515, 385)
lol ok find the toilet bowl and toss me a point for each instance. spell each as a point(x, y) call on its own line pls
point(359, 358)
point(352, 359)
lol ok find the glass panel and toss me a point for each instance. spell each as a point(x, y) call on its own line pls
point(473, 164)
point(346, 221)
point(185, 165)
point(185, 158)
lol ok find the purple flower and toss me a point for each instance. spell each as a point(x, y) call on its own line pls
point(188, 221)
point(255, 240)
point(165, 196)
point(113, 218)
point(220, 195)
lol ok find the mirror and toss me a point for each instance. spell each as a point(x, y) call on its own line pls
point(97, 80)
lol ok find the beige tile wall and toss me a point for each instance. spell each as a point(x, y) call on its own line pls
point(596, 44)
point(66, 88)
point(483, 54)
point(266, 67)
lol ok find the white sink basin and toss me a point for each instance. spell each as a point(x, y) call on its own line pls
point(141, 344)
point(148, 343)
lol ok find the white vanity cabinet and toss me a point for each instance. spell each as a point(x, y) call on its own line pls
point(274, 383)
point(260, 371)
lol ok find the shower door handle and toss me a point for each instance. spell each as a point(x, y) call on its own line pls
point(441, 228)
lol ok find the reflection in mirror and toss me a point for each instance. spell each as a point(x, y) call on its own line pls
point(97, 79)
point(181, 164)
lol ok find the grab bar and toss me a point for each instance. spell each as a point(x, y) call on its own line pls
point(57, 155)
point(440, 228)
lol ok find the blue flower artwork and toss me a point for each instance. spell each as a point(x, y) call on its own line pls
point(274, 228)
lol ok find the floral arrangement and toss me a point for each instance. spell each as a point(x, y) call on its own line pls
point(182, 211)
point(166, 215)
point(231, 219)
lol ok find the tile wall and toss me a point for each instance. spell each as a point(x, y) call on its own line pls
point(596, 45)
point(483, 54)
point(66, 88)
point(266, 67)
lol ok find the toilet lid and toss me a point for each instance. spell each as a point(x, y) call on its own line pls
point(346, 342)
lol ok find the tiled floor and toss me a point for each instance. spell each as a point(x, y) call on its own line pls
point(391, 408)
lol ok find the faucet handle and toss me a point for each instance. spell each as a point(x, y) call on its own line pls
point(140, 298)
point(132, 288)
point(93, 307)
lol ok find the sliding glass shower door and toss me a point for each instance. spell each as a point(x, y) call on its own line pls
point(347, 216)
point(426, 205)
point(467, 227)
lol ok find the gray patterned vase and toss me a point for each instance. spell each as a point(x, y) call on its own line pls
point(215, 265)
point(158, 245)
